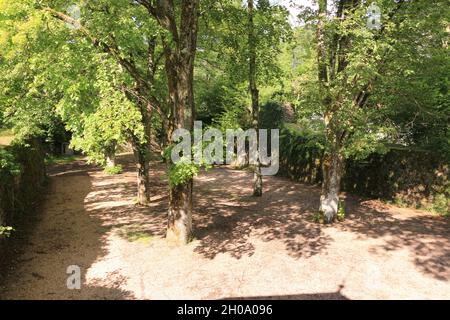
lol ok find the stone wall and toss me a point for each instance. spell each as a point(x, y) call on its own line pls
point(414, 177)
point(20, 189)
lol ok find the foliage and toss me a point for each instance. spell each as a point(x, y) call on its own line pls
point(109, 119)
point(185, 169)
point(8, 164)
point(318, 217)
point(234, 117)
point(441, 204)
point(50, 160)
point(182, 172)
point(271, 115)
point(6, 231)
point(393, 66)
point(341, 211)
point(222, 64)
point(113, 170)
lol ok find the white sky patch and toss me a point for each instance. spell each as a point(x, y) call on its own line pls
point(293, 7)
point(74, 12)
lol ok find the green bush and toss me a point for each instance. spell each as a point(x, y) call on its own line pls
point(114, 169)
point(341, 211)
point(8, 164)
point(5, 231)
point(441, 205)
point(271, 115)
point(318, 217)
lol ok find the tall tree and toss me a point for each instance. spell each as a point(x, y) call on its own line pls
point(180, 45)
point(123, 31)
point(250, 33)
point(257, 178)
point(353, 54)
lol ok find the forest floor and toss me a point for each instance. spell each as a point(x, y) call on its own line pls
point(244, 247)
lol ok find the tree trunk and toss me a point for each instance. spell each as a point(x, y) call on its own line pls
point(110, 155)
point(329, 199)
point(331, 163)
point(179, 225)
point(110, 160)
point(143, 173)
point(332, 168)
point(179, 62)
point(257, 178)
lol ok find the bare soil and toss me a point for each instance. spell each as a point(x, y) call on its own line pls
point(6, 140)
point(244, 247)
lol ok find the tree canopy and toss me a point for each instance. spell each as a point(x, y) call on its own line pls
point(115, 72)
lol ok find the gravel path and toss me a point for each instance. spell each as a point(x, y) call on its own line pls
point(244, 247)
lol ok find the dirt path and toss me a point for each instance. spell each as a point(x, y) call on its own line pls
point(244, 247)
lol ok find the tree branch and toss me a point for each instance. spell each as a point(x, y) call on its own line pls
point(110, 49)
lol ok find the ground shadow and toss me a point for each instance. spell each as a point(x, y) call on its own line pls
point(85, 205)
point(226, 216)
point(426, 236)
point(60, 233)
point(304, 296)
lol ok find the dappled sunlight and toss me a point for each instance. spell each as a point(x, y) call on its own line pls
point(244, 246)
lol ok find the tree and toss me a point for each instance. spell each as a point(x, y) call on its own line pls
point(113, 121)
point(180, 45)
point(351, 61)
point(251, 34)
point(63, 70)
point(257, 178)
point(124, 31)
point(129, 33)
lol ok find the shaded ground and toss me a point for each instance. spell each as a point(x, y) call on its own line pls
point(244, 248)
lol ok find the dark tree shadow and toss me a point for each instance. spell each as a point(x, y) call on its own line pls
point(426, 236)
point(226, 217)
point(57, 234)
point(304, 296)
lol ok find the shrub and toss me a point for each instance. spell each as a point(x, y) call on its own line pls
point(5, 231)
point(271, 115)
point(114, 169)
point(318, 217)
point(341, 211)
point(8, 164)
point(441, 205)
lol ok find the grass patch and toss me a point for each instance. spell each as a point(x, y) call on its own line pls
point(139, 236)
point(440, 204)
point(135, 233)
point(114, 170)
point(61, 159)
point(341, 211)
point(318, 217)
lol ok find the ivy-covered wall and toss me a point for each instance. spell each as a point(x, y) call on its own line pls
point(410, 177)
point(22, 176)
